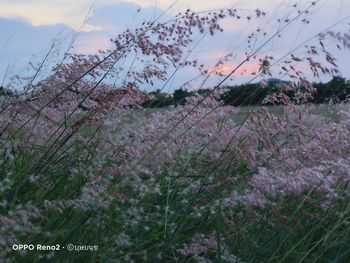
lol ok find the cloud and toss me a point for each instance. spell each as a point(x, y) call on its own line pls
point(73, 13)
point(37, 13)
point(67, 12)
point(90, 44)
point(21, 41)
point(27, 27)
point(244, 71)
point(204, 5)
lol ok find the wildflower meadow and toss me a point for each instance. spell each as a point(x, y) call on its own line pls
point(91, 171)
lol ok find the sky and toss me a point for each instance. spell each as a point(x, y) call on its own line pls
point(29, 27)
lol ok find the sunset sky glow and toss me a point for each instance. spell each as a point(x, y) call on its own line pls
point(28, 27)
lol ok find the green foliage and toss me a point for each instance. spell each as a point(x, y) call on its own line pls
point(160, 99)
point(335, 91)
point(5, 92)
point(283, 233)
point(244, 95)
point(180, 96)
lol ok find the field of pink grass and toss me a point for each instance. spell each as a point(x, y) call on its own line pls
point(84, 164)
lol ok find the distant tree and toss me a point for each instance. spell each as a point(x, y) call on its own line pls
point(243, 95)
point(336, 90)
point(159, 100)
point(204, 92)
point(5, 92)
point(180, 96)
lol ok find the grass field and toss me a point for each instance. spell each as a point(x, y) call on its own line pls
point(273, 188)
point(87, 174)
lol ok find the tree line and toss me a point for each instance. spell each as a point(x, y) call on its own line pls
point(335, 91)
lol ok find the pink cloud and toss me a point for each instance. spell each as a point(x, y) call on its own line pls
point(92, 45)
point(245, 71)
